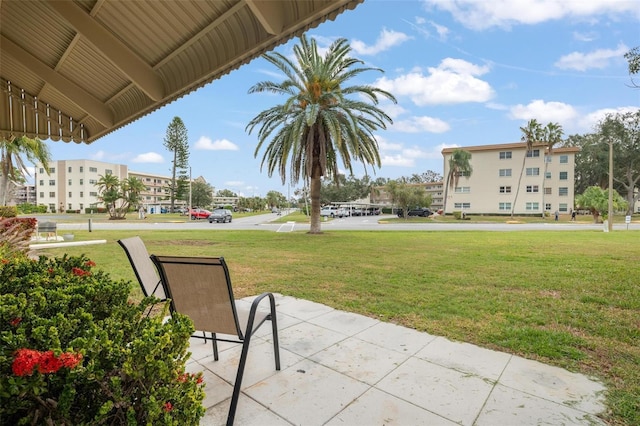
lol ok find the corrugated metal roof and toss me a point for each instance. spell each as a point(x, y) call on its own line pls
point(77, 70)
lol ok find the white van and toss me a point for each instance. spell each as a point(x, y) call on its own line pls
point(329, 211)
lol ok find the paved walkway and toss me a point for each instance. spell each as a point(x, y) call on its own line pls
point(340, 368)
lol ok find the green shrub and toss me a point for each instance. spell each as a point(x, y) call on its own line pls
point(74, 351)
point(8, 211)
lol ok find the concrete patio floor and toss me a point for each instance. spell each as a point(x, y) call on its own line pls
point(340, 368)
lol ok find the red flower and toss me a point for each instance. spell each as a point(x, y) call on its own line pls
point(50, 270)
point(79, 272)
point(70, 360)
point(183, 377)
point(90, 263)
point(5, 261)
point(25, 361)
point(14, 322)
point(49, 363)
point(199, 380)
point(167, 407)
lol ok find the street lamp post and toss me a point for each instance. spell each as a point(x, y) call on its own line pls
point(190, 188)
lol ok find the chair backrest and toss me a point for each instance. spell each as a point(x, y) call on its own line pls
point(143, 267)
point(200, 288)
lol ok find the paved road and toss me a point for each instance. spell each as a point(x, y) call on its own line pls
point(365, 223)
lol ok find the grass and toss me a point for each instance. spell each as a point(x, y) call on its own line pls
point(570, 299)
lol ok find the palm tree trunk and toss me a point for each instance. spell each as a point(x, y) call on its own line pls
point(446, 194)
point(515, 199)
point(315, 205)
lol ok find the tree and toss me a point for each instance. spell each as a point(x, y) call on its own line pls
point(119, 195)
point(13, 169)
point(551, 134)
point(322, 120)
point(176, 141)
point(426, 177)
point(276, 199)
point(623, 130)
point(201, 193)
point(592, 161)
point(226, 193)
point(633, 56)
point(596, 200)
point(531, 133)
point(459, 165)
point(404, 195)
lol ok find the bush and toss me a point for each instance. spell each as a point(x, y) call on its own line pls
point(74, 351)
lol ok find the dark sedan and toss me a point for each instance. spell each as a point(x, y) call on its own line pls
point(220, 215)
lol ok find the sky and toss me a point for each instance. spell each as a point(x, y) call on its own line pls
point(464, 72)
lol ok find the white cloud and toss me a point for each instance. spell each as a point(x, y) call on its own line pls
point(234, 183)
point(205, 143)
point(479, 15)
point(391, 109)
point(453, 81)
point(544, 112)
point(99, 156)
point(148, 157)
point(386, 40)
point(397, 160)
point(588, 122)
point(442, 31)
point(385, 145)
point(584, 36)
point(596, 59)
point(421, 124)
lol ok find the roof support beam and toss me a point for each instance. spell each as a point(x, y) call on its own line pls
point(138, 71)
point(269, 13)
point(90, 104)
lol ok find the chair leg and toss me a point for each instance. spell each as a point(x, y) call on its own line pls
point(236, 387)
point(214, 343)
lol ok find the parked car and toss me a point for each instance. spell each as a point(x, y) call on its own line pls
point(418, 211)
point(199, 214)
point(220, 215)
point(330, 211)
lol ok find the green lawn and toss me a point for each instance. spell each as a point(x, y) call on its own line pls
point(570, 299)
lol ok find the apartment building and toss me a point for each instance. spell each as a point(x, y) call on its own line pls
point(547, 182)
point(72, 185)
point(380, 197)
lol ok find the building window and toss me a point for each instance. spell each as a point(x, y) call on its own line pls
point(462, 189)
point(81, 169)
point(93, 194)
point(52, 182)
point(81, 206)
point(547, 191)
point(52, 207)
point(69, 206)
point(81, 195)
point(563, 207)
point(81, 181)
point(52, 170)
point(533, 153)
point(547, 159)
point(533, 171)
point(108, 172)
point(41, 171)
point(42, 183)
point(70, 195)
point(547, 175)
point(69, 182)
point(532, 207)
point(564, 175)
point(69, 169)
point(462, 205)
point(93, 169)
point(563, 191)
point(93, 181)
point(42, 195)
point(464, 173)
point(564, 159)
point(504, 206)
point(505, 172)
point(505, 190)
point(532, 188)
point(547, 206)
point(52, 195)
point(505, 155)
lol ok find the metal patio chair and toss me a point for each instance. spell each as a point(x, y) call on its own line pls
point(143, 267)
point(200, 288)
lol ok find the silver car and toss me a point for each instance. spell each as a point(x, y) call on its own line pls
point(220, 215)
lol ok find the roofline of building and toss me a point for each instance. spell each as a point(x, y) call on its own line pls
point(512, 145)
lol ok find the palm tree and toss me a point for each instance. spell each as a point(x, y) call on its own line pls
point(552, 134)
point(459, 165)
point(531, 133)
point(13, 168)
point(322, 119)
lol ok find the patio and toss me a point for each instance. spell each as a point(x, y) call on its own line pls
point(340, 368)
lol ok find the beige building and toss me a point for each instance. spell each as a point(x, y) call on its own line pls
point(72, 185)
point(547, 182)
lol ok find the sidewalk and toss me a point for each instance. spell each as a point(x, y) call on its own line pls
point(340, 368)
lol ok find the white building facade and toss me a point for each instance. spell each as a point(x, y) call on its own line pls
point(547, 183)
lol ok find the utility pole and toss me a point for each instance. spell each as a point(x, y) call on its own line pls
point(190, 188)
